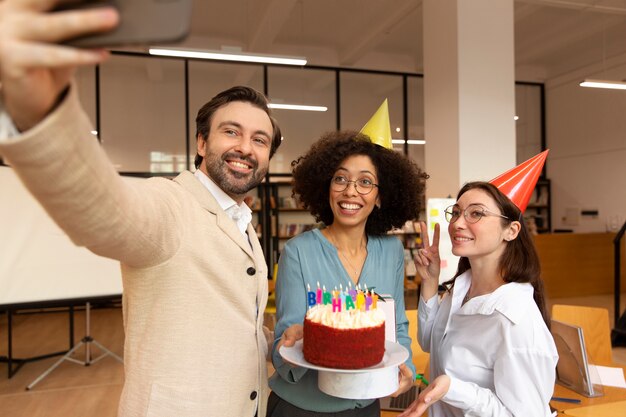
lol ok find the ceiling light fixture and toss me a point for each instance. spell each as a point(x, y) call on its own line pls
point(607, 84)
point(296, 107)
point(410, 141)
point(241, 56)
point(615, 85)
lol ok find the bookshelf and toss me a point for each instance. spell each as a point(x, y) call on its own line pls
point(538, 216)
point(278, 218)
point(411, 239)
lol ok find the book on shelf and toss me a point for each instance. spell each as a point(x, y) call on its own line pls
point(253, 202)
point(410, 227)
point(293, 229)
point(288, 202)
point(409, 265)
point(413, 243)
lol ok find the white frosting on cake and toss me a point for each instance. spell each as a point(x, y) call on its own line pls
point(346, 319)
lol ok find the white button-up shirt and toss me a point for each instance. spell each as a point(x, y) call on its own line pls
point(240, 213)
point(7, 128)
point(496, 349)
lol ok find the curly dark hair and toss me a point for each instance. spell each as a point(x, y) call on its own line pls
point(401, 182)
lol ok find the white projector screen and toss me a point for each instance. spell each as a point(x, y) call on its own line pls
point(38, 262)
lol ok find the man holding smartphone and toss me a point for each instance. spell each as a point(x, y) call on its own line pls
point(194, 276)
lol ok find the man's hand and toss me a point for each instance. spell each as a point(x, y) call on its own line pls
point(34, 69)
point(406, 380)
point(435, 391)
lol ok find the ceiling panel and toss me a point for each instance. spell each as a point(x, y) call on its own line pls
point(555, 36)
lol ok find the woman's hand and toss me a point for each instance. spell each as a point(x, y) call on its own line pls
point(34, 68)
point(428, 262)
point(290, 337)
point(405, 378)
point(435, 391)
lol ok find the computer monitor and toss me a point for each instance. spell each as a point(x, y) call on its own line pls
point(573, 369)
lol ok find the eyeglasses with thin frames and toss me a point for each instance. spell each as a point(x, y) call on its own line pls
point(362, 186)
point(472, 214)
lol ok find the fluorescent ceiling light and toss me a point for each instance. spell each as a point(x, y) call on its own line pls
point(616, 85)
point(296, 107)
point(241, 56)
point(410, 141)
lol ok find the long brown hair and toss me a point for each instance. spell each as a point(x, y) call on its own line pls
point(519, 261)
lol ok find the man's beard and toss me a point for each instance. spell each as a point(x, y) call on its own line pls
point(229, 180)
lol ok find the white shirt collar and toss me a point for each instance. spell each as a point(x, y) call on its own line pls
point(506, 299)
point(240, 213)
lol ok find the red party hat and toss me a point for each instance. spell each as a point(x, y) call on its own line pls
point(518, 183)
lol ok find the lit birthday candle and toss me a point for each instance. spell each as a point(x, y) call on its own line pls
point(319, 293)
point(360, 300)
point(336, 304)
point(368, 300)
point(326, 297)
point(342, 298)
point(352, 292)
point(349, 303)
point(310, 296)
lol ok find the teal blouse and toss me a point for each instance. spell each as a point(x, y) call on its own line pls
point(307, 259)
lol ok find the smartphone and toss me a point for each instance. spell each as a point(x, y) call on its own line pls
point(142, 22)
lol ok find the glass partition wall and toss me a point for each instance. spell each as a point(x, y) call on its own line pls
point(144, 107)
point(300, 86)
point(144, 110)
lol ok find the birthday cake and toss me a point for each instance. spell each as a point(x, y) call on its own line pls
point(343, 330)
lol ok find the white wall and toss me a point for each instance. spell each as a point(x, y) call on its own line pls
point(586, 132)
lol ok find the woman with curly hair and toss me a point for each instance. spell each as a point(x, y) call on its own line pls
point(360, 191)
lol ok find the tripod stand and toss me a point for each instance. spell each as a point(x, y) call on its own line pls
point(87, 340)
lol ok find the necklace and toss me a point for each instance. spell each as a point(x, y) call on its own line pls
point(352, 267)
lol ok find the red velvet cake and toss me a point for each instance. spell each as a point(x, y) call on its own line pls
point(351, 339)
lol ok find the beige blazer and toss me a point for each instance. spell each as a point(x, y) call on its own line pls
point(194, 288)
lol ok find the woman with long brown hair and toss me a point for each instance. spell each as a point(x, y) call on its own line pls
point(491, 352)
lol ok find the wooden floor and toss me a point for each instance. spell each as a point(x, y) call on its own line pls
point(73, 390)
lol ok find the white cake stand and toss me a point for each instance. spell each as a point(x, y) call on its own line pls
point(376, 381)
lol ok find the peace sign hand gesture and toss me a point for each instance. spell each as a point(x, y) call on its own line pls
point(428, 262)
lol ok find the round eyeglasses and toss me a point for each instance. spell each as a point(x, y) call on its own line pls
point(362, 186)
point(472, 214)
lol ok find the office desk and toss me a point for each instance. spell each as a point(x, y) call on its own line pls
point(614, 409)
point(612, 403)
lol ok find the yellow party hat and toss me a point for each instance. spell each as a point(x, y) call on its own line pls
point(378, 128)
